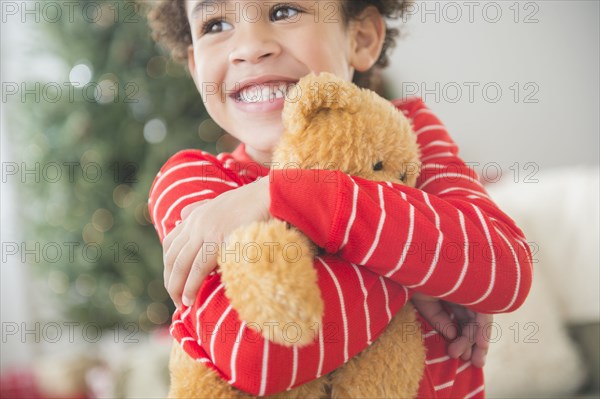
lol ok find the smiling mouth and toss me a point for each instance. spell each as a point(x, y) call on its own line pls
point(258, 93)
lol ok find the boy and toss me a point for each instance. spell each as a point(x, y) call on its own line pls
point(243, 55)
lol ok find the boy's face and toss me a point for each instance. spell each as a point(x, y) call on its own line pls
point(246, 53)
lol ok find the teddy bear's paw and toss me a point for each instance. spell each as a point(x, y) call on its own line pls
point(269, 277)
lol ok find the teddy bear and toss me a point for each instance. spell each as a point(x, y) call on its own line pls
point(328, 123)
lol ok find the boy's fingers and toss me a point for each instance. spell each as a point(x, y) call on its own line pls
point(478, 356)
point(436, 315)
point(460, 313)
point(462, 346)
point(469, 331)
point(168, 240)
point(467, 321)
point(467, 355)
point(194, 280)
point(482, 338)
point(202, 265)
point(458, 347)
point(180, 271)
point(473, 344)
point(170, 254)
point(441, 321)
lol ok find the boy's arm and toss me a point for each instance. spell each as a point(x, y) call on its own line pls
point(446, 238)
point(338, 280)
point(188, 177)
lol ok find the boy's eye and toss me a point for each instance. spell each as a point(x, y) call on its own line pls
point(216, 26)
point(284, 12)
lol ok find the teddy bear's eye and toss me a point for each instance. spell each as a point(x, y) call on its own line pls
point(403, 177)
point(378, 166)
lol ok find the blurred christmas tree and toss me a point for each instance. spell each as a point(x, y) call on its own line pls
point(122, 108)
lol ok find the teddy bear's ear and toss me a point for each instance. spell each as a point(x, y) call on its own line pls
point(314, 93)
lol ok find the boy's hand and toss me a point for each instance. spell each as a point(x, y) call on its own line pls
point(190, 250)
point(472, 343)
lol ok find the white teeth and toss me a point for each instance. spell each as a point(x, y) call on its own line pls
point(257, 93)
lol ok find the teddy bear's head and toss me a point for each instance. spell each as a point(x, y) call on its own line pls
point(333, 124)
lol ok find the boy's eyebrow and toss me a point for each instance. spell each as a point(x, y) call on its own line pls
point(202, 4)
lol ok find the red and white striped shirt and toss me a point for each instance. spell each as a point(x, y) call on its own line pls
point(445, 238)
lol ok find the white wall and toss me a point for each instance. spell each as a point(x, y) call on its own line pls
point(559, 54)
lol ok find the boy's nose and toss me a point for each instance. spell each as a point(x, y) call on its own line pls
point(254, 44)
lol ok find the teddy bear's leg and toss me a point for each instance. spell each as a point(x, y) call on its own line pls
point(316, 389)
point(191, 379)
point(391, 367)
point(268, 274)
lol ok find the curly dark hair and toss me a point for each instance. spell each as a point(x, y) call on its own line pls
point(170, 27)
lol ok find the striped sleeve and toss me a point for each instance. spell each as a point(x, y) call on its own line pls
point(187, 177)
point(445, 238)
point(359, 304)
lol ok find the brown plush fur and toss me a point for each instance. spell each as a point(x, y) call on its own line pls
point(391, 367)
point(329, 124)
point(278, 283)
point(191, 379)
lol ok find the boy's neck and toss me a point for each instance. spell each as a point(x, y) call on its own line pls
point(262, 157)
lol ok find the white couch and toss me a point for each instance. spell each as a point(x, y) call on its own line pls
point(535, 356)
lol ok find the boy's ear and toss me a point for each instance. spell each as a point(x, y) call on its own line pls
point(368, 35)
